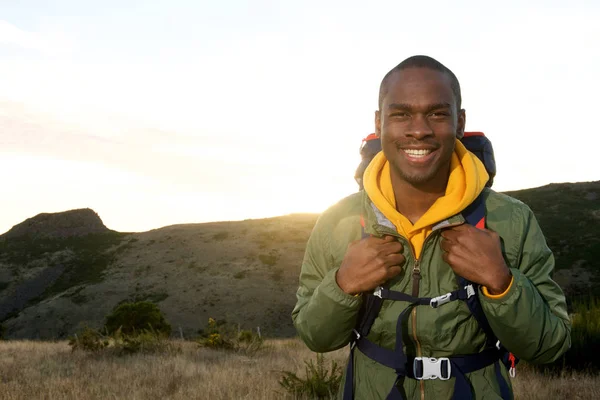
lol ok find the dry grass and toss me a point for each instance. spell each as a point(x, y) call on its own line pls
point(530, 385)
point(46, 370)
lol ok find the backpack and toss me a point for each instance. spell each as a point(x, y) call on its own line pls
point(426, 367)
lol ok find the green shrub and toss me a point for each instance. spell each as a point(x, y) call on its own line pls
point(585, 340)
point(145, 342)
point(320, 382)
point(88, 339)
point(222, 336)
point(131, 319)
point(148, 341)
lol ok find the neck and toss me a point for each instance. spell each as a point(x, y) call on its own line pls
point(413, 200)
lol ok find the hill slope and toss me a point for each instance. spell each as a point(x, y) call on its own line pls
point(57, 277)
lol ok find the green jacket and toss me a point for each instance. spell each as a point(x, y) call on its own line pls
point(530, 320)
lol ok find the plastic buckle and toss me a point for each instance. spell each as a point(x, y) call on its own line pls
point(470, 291)
point(432, 368)
point(438, 301)
point(377, 292)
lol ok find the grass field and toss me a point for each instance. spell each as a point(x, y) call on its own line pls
point(50, 370)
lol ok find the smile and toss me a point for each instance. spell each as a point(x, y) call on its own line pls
point(414, 153)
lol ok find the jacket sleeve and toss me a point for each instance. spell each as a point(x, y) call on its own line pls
point(324, 315)
point(531, 319)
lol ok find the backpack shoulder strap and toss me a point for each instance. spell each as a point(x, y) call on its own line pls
point(371, 305)
point(479, 144)
point(474, 215)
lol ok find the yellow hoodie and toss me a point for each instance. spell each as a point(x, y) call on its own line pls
point(467, 179)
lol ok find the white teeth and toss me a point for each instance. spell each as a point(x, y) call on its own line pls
point(417, 153)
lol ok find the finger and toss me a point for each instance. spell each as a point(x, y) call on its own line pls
point(450, 235)
point(446, 245)
point(461, 228)
point(395, 259)
point(389, 248)
point(382, 263)
point(374, 240)
point(455, 260)
point(393, 271)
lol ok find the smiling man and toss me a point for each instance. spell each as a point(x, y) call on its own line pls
point(456, 297)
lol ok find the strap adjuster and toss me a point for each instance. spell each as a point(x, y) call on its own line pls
point(377, 292)
point(432, 368)
point(470, 291)
point(438, 301)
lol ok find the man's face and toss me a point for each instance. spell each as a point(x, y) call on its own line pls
point(418, 124)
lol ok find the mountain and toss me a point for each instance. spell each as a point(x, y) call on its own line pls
point(59, 272)
point(569, 214)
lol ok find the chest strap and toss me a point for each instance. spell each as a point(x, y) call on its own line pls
point(422, 368)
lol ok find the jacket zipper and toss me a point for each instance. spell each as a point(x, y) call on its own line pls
point(416, 275)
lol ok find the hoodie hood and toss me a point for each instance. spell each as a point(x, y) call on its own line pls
point(466, 181)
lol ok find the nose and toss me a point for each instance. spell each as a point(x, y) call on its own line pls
point(419, 127)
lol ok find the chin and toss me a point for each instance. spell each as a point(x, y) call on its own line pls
point(416, 178)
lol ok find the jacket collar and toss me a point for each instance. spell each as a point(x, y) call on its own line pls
point(376, 223)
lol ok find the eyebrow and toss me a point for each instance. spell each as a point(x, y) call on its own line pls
point(409, 107)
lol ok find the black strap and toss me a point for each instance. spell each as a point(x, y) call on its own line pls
point(474, 215)
point(460, 365)
point(370, 307)
point(475, 212)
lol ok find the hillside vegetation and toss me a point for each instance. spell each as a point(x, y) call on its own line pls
point(59, 272)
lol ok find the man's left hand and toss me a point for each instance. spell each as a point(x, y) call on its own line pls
point(476, 255)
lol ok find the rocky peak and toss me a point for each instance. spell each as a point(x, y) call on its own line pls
point(59, 225)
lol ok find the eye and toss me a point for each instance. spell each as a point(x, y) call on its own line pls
point(399, 114)
point(439, 114)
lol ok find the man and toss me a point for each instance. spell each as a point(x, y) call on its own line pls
point(415, 192)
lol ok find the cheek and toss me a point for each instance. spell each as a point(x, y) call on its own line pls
point(391, 131)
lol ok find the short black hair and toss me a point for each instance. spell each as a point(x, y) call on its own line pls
point(421, 62)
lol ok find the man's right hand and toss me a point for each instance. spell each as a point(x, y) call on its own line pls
point(369, 263)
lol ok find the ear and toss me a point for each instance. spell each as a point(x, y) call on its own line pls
point(462, 121)
point(378, 123)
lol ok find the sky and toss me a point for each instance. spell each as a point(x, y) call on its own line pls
point(155, 113)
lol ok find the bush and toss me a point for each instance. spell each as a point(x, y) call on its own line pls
point(88, 339)
point(131, 328)
point(131, 319)
point(148, 341)
point(145, 342)
point(585, 340)
point(222, 336)
point(320, 382)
